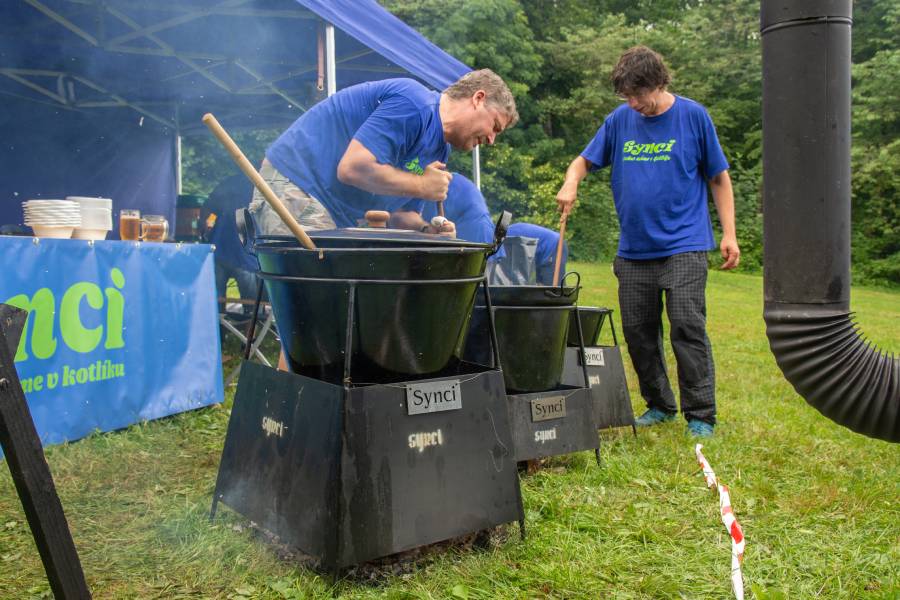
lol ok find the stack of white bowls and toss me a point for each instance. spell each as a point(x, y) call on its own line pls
point(52, 218)
point(96, 217)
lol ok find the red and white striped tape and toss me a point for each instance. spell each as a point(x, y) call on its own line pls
point(730, 522)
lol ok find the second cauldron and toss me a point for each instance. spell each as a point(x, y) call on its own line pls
point(532, 324)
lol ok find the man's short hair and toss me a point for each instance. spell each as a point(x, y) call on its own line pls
point(496, 90)
point(639, 70)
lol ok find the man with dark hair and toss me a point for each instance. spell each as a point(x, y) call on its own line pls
point(663, 152)
point(380, 145)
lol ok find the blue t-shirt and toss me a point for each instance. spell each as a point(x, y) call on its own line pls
point(660, 168)
point(231, 194)
point(397, 120)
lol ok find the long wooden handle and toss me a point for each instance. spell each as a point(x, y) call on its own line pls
point(440, 208)
point(210, 121)
point(559, 247)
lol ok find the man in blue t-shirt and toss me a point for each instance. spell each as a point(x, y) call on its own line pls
point(545, 253)
point(663, 152)
point(466, 207)
point(231, 259)
point(380, 145)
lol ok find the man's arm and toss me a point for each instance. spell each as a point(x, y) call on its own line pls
point(568, 193)
point(360, 168)
point(723, 196)
point(410, 219)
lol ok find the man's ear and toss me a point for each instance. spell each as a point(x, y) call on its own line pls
point(478, 98)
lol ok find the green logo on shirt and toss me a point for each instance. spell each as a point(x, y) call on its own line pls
point(413, 166)
point(651, 152)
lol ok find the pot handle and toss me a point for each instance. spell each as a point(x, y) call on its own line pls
point(246, 229)
point(500, 231)
point(558, 292)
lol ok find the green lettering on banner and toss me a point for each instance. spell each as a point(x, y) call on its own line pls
point(40, 317)
point(74, 333)
point(115, 311)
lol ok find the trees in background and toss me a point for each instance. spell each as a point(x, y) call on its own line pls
point(557, 56)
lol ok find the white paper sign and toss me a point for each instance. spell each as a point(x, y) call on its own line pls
point(594, 357)
point(433, 396)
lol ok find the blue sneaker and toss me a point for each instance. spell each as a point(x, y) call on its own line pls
point(700, 428)
point(653, 416)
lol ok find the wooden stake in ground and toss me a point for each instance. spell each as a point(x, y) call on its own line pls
point(559, 246)
point(30, 472)
point(217, 130)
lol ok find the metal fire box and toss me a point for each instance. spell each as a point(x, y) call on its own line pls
point(606, 375)
point(551, 423)
point(348, 474)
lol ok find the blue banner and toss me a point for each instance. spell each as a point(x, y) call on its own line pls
point(117, 332)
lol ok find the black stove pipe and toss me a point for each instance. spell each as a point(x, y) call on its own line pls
point(806, 219)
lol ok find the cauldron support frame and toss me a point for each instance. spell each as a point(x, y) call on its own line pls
point(581, 347)
point(587, 381)
point(334, 549)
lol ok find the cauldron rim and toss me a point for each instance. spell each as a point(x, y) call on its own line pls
point(375, 239)
point(271, 248)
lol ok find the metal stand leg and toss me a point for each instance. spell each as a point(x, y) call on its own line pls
point(348, 353)
point(249, 345)
point(587, 380)
point(495, 347)
point(214, 507)
point(348, 340)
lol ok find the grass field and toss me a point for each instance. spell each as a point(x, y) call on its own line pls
point(818, 504)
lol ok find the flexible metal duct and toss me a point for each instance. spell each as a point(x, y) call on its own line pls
point(806, 219)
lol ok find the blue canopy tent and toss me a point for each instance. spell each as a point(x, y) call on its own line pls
point(96, 95)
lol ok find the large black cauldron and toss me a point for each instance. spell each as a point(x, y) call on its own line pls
point(410, 294)
point(532, 323)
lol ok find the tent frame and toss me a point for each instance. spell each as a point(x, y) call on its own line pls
point(63, 89)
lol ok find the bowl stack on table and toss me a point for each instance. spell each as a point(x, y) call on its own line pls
point(52, 218)
point(96, 217)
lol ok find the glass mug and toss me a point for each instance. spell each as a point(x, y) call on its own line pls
point(129, 224)
point(154, 228)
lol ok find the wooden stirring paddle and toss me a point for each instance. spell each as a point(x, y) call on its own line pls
point(559, 247)
point(210, 121)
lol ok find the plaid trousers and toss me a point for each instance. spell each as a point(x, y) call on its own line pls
point(682, 277)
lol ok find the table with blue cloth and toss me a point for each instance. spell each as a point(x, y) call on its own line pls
point(117, 333)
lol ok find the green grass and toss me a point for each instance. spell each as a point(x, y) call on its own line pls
point(818, 503)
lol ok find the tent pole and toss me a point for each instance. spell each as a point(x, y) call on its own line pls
point(177, 150)
point(178, 164)
point(330, 82)
point(476, 166)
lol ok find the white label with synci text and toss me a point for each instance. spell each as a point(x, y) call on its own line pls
point(433, 396)
point(593, 357)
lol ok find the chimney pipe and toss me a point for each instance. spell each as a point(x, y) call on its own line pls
point(806, 219)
